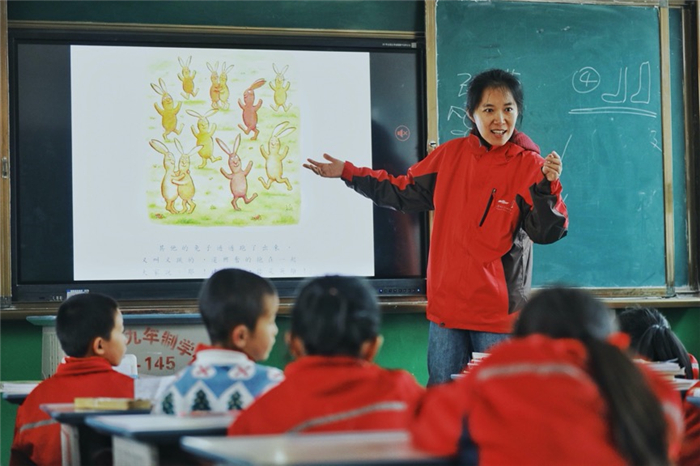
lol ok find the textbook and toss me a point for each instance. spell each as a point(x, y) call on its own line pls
point(112, 403)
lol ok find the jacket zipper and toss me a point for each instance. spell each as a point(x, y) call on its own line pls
point(488, 206)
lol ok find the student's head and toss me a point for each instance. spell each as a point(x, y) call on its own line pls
point(562, 312)
point(494, 102)
point(651, 337)
point(634, 413)
point(336, 316)
point(91, 324)
point(239, 309)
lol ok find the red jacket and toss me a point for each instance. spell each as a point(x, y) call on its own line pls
point(690, 451)
point(531, 402)
point(321, 394)
point(37, 435)
point(490, 205)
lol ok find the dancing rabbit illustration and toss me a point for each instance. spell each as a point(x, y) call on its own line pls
point(183, 179)
point(169, 111)
point(275, 155)
point(167, 189)
point(187, 78)
point(205, 136)
point(215, 89)
point(280, 87)
point(237, 177)
point(223, 86)
point(250, 110)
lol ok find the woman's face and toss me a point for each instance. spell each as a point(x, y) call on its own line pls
point(495, 116)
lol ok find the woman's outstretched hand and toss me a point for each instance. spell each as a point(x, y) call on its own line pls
point(333, 169)
point(552, 167)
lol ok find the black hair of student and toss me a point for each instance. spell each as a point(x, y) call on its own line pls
point(231, 297)
point(634, 413)
point(652, 338)
point(82, 318)
point(334, 315)
point(494, 79)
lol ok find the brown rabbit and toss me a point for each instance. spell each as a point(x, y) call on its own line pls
point(239, 183)
point(250, 110)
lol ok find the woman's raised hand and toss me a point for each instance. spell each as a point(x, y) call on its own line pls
point(552, 166)
point(332, 169)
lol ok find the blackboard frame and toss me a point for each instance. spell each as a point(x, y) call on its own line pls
point(690, 19)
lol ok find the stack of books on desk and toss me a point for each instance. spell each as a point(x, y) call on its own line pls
point(112, 403)
point(475, 361)
point(670, 370)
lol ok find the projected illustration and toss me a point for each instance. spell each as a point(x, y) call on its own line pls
point(209, 184)
point(189, 192)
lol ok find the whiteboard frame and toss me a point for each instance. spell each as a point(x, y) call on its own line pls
point(20, 310)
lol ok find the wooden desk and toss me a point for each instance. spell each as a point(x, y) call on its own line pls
point(151, 439)
point(79, 443)
point(346, 448)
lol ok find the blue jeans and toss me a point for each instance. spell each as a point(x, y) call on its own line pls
point(450, 349)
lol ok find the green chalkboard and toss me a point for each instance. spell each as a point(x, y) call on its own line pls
point(591, 76)
point(369, 15)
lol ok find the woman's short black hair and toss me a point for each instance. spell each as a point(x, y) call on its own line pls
point(334, 315)
point(231, 297)
point(82, 318)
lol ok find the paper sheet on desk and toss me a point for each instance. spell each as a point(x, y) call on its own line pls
point(150, 387)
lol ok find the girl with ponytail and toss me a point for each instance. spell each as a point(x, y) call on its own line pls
point(333, 384)
point(561, 392)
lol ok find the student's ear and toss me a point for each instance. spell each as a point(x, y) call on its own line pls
point(97, 347)
point(295, 345)
point(470, 117)
point(370, 348)
point(239, 336)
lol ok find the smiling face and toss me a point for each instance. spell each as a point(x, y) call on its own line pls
point(495, 116)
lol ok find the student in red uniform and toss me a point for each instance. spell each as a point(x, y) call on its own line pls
point(90, 329)
point(333, 384)
point(559, 393)
point(651, 338)
point(690, 450)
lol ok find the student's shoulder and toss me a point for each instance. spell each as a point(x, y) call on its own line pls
point(271, 372)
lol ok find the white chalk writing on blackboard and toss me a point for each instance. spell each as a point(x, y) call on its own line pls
point(588, 79)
